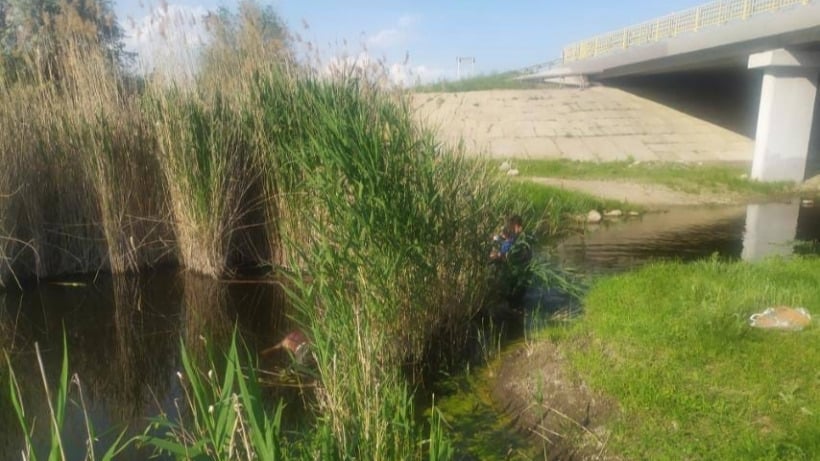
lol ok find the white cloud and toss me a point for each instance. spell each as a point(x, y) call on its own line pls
point(168, 39)
point(395, 67)
point(395, 35)
point(402, 73)
point(405, 74)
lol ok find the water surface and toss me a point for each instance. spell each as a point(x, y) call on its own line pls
point(123, 335)
point(749, 232)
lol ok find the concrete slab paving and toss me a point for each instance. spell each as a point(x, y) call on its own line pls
point(594, 123)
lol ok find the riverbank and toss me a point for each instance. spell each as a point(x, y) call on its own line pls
point(652, 197)
point(659, 197)
point(663, 364)
point(654, 185)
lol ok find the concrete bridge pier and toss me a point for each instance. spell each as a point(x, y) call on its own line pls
point(784, 122)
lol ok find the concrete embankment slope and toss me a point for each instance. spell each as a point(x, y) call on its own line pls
point(597, 123)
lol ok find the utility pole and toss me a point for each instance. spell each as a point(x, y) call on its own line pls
point(464, 60)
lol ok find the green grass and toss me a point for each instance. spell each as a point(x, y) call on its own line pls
point(551, 208)
point(670, 343)
point(684, 177)
point(494, 81)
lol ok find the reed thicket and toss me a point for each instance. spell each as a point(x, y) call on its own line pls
point(392, 251)
point(81, 190)
point(260, 161)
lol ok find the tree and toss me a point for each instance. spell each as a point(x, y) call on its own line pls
point(34, 34)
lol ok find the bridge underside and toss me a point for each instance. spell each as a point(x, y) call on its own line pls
point(757, 77)
point(730, 97)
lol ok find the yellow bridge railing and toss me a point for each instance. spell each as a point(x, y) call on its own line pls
point(691, 20)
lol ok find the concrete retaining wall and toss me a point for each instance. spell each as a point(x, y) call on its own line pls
point(597, 123)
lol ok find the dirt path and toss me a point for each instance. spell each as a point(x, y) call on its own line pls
point(651, 196)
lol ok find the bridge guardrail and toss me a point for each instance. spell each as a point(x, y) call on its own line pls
point(711, 14)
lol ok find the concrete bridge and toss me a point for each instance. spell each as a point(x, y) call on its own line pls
point(761, 57)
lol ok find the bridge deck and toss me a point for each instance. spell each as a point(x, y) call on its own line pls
point(718, 34)
point(714, 14)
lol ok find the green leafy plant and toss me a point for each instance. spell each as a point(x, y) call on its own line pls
point(220, 417)
point(57, 405)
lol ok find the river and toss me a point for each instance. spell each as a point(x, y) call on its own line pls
point(123, 332)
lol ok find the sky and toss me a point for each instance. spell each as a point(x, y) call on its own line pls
point(417, 40)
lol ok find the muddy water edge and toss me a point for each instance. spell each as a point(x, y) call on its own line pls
point(522, 403)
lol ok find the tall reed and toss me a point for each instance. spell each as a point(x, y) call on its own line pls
point(383, 230)
point(81, 191)
point(204, 151)
point(369, 182)
point(365, 405)
point(389, 239)
point(49, 211)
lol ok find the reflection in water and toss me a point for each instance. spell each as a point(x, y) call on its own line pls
point(123, 338)
point(687, 234)
point(770, 230)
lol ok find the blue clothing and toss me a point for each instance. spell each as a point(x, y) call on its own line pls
point(506, 246)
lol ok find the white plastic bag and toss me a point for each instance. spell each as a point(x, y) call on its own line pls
point(781, 318)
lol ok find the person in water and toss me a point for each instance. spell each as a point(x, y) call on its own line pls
point(513, 243)
point(513, 255)
point(295, 343)
point(503, 243)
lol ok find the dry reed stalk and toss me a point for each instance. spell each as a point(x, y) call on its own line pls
point(210, 144)
point(81, 156)
point(54, 209)
point(119, 160)
point(206, 163)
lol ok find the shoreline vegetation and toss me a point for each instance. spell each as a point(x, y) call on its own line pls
point(662, 363)
point(691, 178)
point(378, 233)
